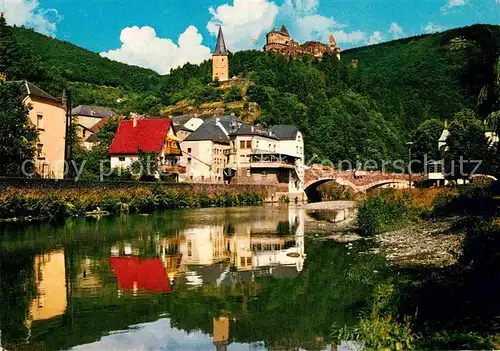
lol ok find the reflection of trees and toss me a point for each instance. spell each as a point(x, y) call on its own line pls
point(17, 289)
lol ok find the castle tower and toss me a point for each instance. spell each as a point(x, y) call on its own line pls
point(333, 46)
point(220, 60)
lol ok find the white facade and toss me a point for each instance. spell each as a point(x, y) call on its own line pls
point(204, 161)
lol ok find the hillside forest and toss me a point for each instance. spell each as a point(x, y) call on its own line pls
point(365, 107)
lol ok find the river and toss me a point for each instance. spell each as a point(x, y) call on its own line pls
point(194, 279)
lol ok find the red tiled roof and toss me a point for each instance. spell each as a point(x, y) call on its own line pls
point(97, 127)
point(148, 135)
point(146, 274)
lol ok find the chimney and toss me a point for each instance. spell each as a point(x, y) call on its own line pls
point(3, 76)
point(134, 120)
point(252, 129)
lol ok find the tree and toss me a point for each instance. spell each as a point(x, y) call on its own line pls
point(425, 143)
point(467, 147)
point(17, 143)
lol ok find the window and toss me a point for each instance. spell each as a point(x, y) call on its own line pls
point(84, 132)
point(189, 150)
point(39, 121)
point(249, 144)
point(248, 172)
point(189, 160)
point(121, 158)
point(249, 261)
point(202, 178)
point(39, 150)
point(242, 261)
point(269, 146)
point(242, 144)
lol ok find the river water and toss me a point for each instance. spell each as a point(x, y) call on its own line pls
point(195, 279)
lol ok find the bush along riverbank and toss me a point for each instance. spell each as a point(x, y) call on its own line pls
point(454, 306)
point(56, 203)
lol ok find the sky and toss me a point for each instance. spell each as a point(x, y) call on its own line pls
point(165, 34)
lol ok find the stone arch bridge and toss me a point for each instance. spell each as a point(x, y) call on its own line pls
point(358, 181)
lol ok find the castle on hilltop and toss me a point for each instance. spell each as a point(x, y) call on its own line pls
point(280, 41)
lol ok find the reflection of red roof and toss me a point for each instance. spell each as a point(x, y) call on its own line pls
point(148, 274)
point(148, 135)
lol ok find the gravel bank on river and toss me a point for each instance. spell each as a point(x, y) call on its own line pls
point(424, 244)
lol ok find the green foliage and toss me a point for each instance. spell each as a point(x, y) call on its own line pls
point(383, 212)
point(48, 202)
point(18, 134)
point(425, 139)
point(378, 329)
point(467, 145)
point(233, 94)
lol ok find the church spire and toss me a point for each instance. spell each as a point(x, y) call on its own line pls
point(220, 47)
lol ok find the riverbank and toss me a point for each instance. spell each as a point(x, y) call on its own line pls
point(46, 202)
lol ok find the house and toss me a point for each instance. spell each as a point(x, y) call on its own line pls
point(86, 117)
point(146, 135)
point(185, 125)
point(203, 152)
point(90, 138)
point(259, 156)
point(225, 150)
point(48, 115)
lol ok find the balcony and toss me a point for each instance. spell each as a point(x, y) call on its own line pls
point(173, 169)
point(272, 160)
point(229, 152)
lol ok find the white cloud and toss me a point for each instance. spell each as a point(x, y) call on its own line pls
point(349, 37)
point(29, 13)
point(432, 28)
point(306, 7)
point(375, 38)
point(142, 47)
point(396, 30)
point(453, 3)
point(243, 22)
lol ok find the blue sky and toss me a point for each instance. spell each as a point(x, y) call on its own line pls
point(164, 34)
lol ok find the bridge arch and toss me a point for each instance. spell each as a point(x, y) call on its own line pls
point(311, 188)
point(381, 183)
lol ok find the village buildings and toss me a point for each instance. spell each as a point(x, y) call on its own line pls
point(225, 150)
point(48, 115)
point(89, 120)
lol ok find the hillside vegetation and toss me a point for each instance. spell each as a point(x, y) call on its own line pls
point(345, 112)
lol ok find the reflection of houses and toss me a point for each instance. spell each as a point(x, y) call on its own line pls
point(50, 279)
point(135, 273)
point(220, 335)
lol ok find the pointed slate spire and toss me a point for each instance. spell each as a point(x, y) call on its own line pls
point(220, 47)
point(284, 30)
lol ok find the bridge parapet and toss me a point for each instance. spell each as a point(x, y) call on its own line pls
point(359, 181)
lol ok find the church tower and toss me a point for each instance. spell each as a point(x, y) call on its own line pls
point(220, 60)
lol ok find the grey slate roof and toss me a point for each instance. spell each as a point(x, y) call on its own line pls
point(285, 131)
point(92, 111)
point(220, 47)
point(209, 131)
point(247, 129)
point(29, 89)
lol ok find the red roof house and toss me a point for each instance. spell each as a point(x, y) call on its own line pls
point(148, 135)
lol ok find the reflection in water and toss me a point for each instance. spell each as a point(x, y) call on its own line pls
point(195, 279)
point(50, 280)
